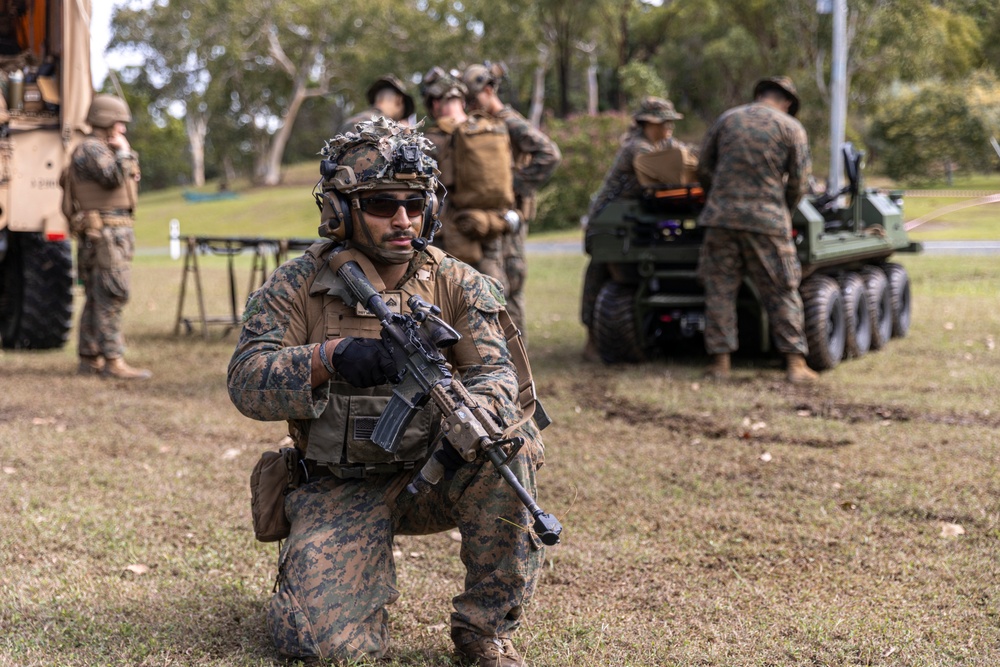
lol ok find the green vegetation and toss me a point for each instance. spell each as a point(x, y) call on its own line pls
point(739, 524)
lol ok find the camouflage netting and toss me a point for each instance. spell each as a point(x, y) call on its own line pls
point(371, 153)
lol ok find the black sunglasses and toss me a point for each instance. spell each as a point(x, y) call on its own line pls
point(386, 207)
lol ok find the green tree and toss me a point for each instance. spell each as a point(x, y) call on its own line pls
point(927, 131)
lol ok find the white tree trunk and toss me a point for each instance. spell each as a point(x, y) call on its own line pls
point(196, 125)
point(538, 88)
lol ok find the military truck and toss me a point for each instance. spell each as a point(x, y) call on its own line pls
point(855, 299)
point(46, 83)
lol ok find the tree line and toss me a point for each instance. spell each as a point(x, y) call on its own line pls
point(240, 87)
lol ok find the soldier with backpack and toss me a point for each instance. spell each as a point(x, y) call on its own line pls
point(475, 158)
point(534, 159)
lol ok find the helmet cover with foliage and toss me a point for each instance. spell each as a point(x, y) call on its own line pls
point(381, 155)
point(106, 110)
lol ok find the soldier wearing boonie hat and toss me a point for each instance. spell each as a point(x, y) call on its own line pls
point(754, 167)
point(653, 130)
point(387, 97)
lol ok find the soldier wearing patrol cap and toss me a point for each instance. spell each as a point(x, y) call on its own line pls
point(754, 166)
point(653, 130)
point(535, 158)
point(309, 355)
point(101, 188)
point(388, 98)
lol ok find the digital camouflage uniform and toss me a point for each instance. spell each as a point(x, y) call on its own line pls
point(754, 164)
point(535, 160)
point(621, 182)
point(336, 572)
point(106, 243)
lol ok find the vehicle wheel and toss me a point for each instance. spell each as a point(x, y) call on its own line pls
point(826, 326)
point(857, 314)
point(881, 298)
point(899, 289)
point(36, 293)
point(616, 331)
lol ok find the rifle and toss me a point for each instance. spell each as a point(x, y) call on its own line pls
point(416, 340)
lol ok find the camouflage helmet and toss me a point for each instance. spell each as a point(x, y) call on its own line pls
point(476, 77)
point(782, 84)
point(438, 84)
point(390, 81)
point(655, 110)
point(381, 155)
point(106, 110)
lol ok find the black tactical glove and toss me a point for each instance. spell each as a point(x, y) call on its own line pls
point(449, 457)
point(365, 362)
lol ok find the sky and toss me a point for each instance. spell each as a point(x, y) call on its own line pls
point(100, 33)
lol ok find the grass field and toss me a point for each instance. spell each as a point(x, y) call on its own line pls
point(855, 522)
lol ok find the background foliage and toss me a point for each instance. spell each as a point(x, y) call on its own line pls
point(259, 84)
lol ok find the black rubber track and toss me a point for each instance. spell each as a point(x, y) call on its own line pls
point(857, 314)
point(616, 331)
point(878, 291)
point(899, 289)
point(826, 326)
point(36, 304)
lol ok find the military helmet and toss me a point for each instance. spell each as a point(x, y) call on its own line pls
point(656, 110)
point(106, 110)
point(476, 77)
point(381, 155)
point(782, 84)
point(390, 81)
point(438, 84)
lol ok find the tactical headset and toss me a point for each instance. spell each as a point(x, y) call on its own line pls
point(337, 208)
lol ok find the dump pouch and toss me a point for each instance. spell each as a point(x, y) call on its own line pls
point(275, 474)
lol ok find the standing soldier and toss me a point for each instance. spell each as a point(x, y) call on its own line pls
point(754, 166)
point(653, 130)
point(311, 355)
point(470, 233)
point(535, 158)
point(101, 188)
point(388, 98)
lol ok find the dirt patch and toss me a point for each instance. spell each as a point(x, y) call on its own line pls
point(855, 413)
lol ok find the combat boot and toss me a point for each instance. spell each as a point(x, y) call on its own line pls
point(590, 352)
point(719, 369)
point(117, 368)
point(90, 365)
point(485, 651)
point(798, 372)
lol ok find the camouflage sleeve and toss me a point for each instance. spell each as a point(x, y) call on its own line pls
point(95, 161)
point(481, 358)
point(799, 167)
point(543, 155)
point(270, 374)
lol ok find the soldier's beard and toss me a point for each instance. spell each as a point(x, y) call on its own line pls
point(365, 243)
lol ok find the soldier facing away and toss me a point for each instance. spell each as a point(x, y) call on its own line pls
point(754, 167)
point(100, 195)
point(535, 158)
point(307, 356)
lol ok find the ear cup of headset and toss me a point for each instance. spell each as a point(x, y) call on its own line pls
point(336, 221)
point(431, 222)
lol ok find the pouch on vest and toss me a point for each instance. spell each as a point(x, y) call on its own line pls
point(484, 176)
point(480, 225)
point(273, 476)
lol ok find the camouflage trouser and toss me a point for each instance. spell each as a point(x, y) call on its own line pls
point(337, 574)
point(516, 269)
point(772, 266)
point(104, 261)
